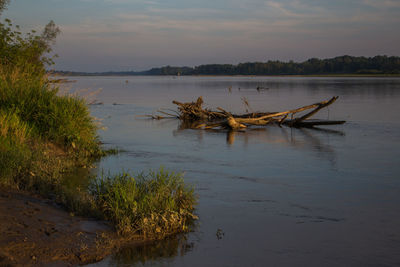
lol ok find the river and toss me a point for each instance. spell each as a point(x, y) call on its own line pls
point(271, 196)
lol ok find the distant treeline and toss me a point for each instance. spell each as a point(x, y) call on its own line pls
point(314, 66)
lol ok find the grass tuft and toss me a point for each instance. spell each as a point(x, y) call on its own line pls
point(152, 205)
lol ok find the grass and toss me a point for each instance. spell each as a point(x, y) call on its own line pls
point(44, 135)
point(153, 205)
point(34, 122)
point(63, 120)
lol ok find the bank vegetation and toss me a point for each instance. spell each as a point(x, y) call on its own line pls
point(45, 135)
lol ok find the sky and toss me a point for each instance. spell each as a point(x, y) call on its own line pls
point(134, 35)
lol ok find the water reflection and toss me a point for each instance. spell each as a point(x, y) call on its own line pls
point(312, 139)
point(80, 177)
point(230, 137)
point(160, 251)
point(289, 138)
point(344, 86)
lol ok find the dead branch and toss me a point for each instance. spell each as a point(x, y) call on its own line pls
point(193, 115)
point(318, 108)
point(234, 125)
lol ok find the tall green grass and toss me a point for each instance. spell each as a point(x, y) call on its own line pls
point(64, 120)
point(152, 205)
point(13, 129)
point(14, 153)
point(35, 122)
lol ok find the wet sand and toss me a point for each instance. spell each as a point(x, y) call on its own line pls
point(35, 232)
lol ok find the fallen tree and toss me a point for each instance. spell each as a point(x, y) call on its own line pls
point(195, 116)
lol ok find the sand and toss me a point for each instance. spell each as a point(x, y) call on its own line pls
point(36, 232)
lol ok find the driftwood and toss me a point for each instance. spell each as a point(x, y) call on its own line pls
point(195, 116)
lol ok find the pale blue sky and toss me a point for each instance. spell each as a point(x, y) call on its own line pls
point(101, 35)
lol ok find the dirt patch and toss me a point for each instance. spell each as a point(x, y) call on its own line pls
point(35, 231)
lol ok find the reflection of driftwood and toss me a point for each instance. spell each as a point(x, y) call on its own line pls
point(62, 81)
point(197, 117)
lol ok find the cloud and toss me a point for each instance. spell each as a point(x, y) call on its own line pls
point(245, 30)
point(166, 25)
point(382, 4)
point(266, 17)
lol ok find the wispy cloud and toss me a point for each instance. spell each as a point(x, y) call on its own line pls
point(382, 4)
point(256, 17)
point(271, 19)
point(229, 30)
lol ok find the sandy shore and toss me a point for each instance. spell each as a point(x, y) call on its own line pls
point(34, 231)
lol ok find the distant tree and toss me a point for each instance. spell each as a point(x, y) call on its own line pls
point(3, 4)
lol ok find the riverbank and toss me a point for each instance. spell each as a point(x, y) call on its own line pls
point(45, 136)
point(34, 231)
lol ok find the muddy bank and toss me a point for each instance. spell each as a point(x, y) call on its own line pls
point(36, 232)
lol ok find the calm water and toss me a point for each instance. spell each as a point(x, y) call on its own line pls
point(273, 196)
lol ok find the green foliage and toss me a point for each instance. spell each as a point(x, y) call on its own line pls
point(32, 114)
point(14, 161)
point(12, 129)
point(14, 154)
point(64, 120)
point(153, 205)
point(27, 53)
point(26, 91)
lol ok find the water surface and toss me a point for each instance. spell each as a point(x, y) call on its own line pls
point(271, 196)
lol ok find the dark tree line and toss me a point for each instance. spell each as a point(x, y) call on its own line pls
point(313, 66)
